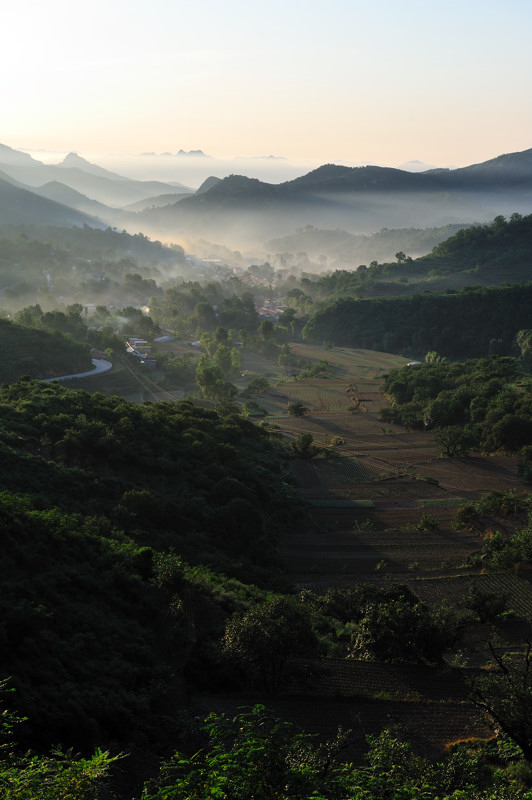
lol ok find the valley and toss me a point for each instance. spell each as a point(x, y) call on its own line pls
point(303, 496)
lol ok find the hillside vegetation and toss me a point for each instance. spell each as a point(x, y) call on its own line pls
point(42, 354)
point(470, 323)
point(502, 243)
point(104, 504)
point(475, 405)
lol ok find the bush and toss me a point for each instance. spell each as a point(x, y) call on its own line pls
point(428, 523)
point(303, 446)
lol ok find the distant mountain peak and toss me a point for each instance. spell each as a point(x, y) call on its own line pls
point(73, 160)
point(417, 166)
point(193, 153)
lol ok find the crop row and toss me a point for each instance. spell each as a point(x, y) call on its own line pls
point(338, 473)
point(516, 588)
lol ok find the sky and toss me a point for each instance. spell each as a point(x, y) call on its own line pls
point(343, 81)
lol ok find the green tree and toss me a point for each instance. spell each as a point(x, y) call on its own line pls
point(524, 343)
point(221, 334)
point(236, 360)
point(209, 378)
point(206, 316)
point(510, 433)
point(264, 641)
point(434, 358)
point(455, 441)
point(59, 776)
point(223, 360)
point(30, 316)
point(266, 330)
point(400, 630)
point(208, 343)
point(488, 605)
point(297, 409)
point(257, 385)
point(252, 755)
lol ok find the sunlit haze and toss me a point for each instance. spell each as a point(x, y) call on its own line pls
point(344, 81)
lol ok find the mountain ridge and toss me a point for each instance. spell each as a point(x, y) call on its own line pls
point(90, 180)
point(243, 210)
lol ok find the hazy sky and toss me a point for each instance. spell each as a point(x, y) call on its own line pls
point(347, 81)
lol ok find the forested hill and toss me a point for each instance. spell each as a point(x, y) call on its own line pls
point(23, 242)
point(467, 324)
point(28, 351)
point(503, 243)
point(470, 323)
point(102, 621)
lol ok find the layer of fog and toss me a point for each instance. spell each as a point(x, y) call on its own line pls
point(250, 230)
point(190, 170)
point(248, 227)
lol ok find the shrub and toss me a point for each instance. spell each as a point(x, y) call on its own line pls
point(428, 523)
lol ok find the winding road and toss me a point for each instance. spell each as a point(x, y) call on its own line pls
point(100, 365)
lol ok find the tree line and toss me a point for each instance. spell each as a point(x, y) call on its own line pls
point(470, 323)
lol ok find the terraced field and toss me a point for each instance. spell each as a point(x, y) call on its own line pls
point(319, 558)
point(373, 490)
point(516, 587)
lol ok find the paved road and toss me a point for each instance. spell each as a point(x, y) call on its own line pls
point(100, 364)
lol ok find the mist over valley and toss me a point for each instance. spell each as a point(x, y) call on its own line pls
point(246, 214)
point(265, 467)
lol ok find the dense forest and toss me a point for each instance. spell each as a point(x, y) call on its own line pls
point(470, 323)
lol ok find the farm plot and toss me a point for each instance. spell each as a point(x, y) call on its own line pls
point(388, 515)
point(319, 558)
point(349, 677)
point(476, 474)
point(319, 395)
point(333, 396)
point(454, 590)
point(359, 478)
point(354, 362)
point(338, 473)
